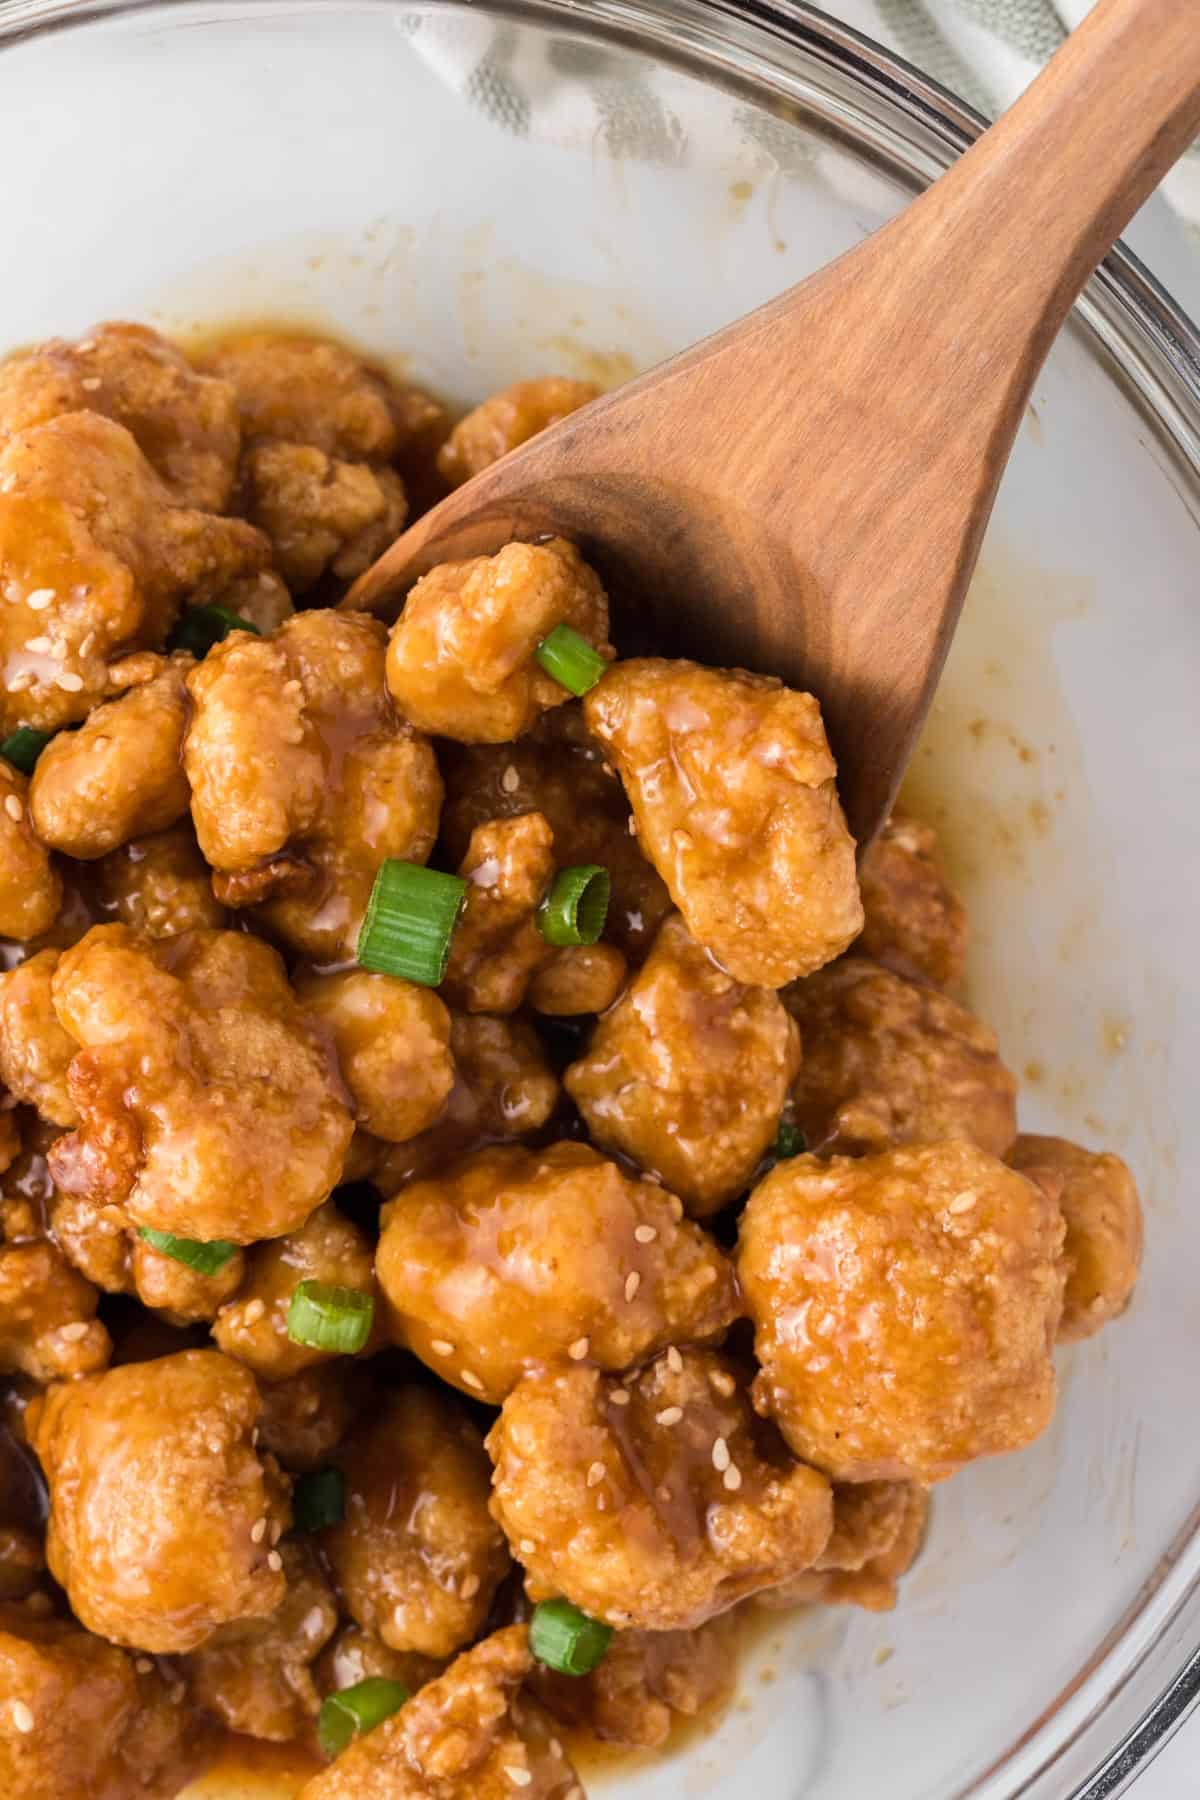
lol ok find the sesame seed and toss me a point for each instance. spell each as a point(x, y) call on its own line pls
point(69, 682)
point(676, 1206)
point(12, 807)
point(733, 1478)
point(253, 1311)
point(87, 344)
point(71, 1334)
point(595, 1474)
point(670, 1415)
point(40, 599)
point(519, 1777)
point(674, 1361)
point(720, 1455)
point(632, 1283)
point(556, 1750)
point(620, 1396)
point(961, 1203)
point(258, 1531)
point(254, 1436)
point(510, 781)
point(527, 1546)
point(144, 1666)
point(87, 643)
point(578, 1349)
point(216, 1447)
point(645, 1234)
point(22, 1718)
point(24, 678)
point(441, 1347)
point(274, 1562)
point(722, 1381)
point(90, 383)
point(472, 1381)
point(469, 1588)
point(38, 646)
point(632, 822)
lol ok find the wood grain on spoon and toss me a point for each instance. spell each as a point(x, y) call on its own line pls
point(805, 492)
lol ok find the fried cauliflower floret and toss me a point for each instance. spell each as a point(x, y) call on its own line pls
point(31, 890)
point(185, 424)
point(688, 1073)
point(95, 559)
point(48, 1324)
point(578, 979)
point(304, 779)
point(35, 1051)
point(731, 781)
point(655, 1502)
point(469, 1735)
point(103, 1245)
point(889, 1062)
point(261, 599)
point(299, 389)
point(915, 922)
point(207, 1106)
point(392, 1040)
point(320, 514)
point(160, 885)
point(155, 1493)
point(507, 420)
point(878, 1530)
point(303, 1418)
point(497, 946)
point(253, 1328)
point(417, 1557)
point(255, 1675)
point(646, 1680)
point(79, 1717)
point(512, 1258)
point(1099, 1201)
point(461, 657)
point(905, 1307)
point(355, 1655)
point(119, 776)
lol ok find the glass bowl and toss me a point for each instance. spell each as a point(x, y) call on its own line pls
point(584, 185)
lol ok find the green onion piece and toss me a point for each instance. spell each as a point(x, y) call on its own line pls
point(410, 919)
point(24, 746)
point(576, 907)
point(570, 659)
point(565, 1639)
point(206, 1258)
point(330, 1318)
point(319, 1499)
point(790, 1142)
point(203, 626)
point(343, 1716)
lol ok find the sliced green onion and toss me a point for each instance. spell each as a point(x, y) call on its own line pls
point(570, 659)
point(345, 1715)
point(576, 907)
point(410, 920)
point(565, 1639)
point(323, 1317)
point(319, 1500)
point(206, 1258)
point(23, 747)
point(790, 1142)
point(203, 626)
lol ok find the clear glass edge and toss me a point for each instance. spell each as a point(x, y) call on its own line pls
point(1149, 342)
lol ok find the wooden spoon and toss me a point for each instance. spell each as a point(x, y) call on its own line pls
point(805, 492)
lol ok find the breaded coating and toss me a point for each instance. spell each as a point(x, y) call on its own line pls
point(160, 885)
point(48, 1325)
point(80, 1718)
point(35, 1051)
point(915, 922)
point(262, 599)
point(688, 1073)
point(646, 1681)
point(578, 979)
point(658, 1501)
point(207, 1106)
point(878, 1530)
point(321, 515)
point(888, 1062)
point(31, 889)
point(417, 1558)
point(120, 775)
point(461, 660)
point(731, 781)
point(392, 1040)
point(512, 1259)
point(508, 419)
point(95, 560)
point(905, 1307)
point(304, 779)
point(155, 1493)
point(103, 1245)
point(355, 1655)
point(253, 1328)
point(300, 389)
point(303, 1418)
point(1099, 1201)
point(185, 424)
point(497, 947)
point(255, 1675)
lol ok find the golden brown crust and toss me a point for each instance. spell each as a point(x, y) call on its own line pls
point(915, 922)
point(31, 889)
point(392, 1041)
point(878, 1530)
point(1103, 1215)
point(497, 947)
point(35, 1051)
point(161, 885)
point(48, 1324)
point(321, 515)
point(508, 419)
point(301, 389)
point(646, 1681)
